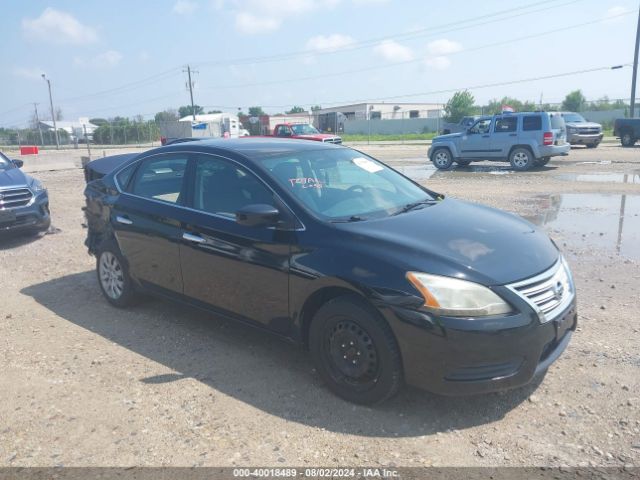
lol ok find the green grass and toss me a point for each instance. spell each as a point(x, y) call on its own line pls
point(348, 137)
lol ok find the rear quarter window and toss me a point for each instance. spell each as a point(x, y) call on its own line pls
point(531, 123)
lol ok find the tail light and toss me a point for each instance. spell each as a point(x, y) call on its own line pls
point(163, 140)
point(547, 138)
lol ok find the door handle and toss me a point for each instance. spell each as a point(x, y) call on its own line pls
point(513, 134)
point(193, 238)
point(485, 136)
point(123, 220)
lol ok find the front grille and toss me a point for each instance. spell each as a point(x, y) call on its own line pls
point(336, 140)
point(588, 131)
point(549, 293)
point(15, 197)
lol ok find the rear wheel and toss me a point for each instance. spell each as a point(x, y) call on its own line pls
point(442, 159)
point(592, 145)
point(464, 163)
point(521, 159)
point(113, 278)
point(627, 139)
point(355, 351)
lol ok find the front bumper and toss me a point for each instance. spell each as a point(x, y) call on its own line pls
point(452, 356)
point(34, 217)
point(584, 139)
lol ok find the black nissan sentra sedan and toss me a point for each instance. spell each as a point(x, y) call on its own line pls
point(383, 280)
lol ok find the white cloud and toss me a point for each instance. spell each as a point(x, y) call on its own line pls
point(438, 51)
point(329, 43)
point(184, 7)
point(30, 73)
point(614, 14)
point(439, 62)
point(369, 2)
point(252, 24)
point(265, 16)
point(58, 27)
point(393, 51)
point(105, 60)
point(443, 47)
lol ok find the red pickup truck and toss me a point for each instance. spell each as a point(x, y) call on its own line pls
point(303, 131)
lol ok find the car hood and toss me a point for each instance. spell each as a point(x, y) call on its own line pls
point(456, 238)
point(446, 137)
point(583, 125)
point(13, 177)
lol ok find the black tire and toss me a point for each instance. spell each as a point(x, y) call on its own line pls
point(464, 163)
point(541, 162)
point(627, 139)
point(355, 351)
point(592, 145)
point(113, 277)
point(521, 159)
point(442, 159)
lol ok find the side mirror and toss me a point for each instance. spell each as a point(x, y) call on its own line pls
point(18, 163)
point(257, 215)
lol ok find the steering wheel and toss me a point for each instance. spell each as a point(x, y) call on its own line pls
point(354, 188)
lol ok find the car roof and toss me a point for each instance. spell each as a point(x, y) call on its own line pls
point(255, 147)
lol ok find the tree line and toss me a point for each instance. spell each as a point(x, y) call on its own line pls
point(463, 104)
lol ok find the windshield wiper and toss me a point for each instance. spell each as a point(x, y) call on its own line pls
point(352, 218)
point(411, 206)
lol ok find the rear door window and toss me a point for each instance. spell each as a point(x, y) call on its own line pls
point(531, 123)
point(506, 124)
point(161, 178)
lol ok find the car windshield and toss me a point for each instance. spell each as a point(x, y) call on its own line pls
point(303, 130)
point(345, 185)
point(573, 118)
point(5, 163)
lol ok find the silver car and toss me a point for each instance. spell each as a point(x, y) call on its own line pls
point(526, 140)
point(580, 131)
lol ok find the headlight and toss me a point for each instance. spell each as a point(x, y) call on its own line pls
point(571, 130)
point(457, 298)
point(37, 186)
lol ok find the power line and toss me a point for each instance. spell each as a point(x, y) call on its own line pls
point(429, 31)
point(409, 62)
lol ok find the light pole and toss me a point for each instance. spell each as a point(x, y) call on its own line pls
point(634, 76)
point(53, 114)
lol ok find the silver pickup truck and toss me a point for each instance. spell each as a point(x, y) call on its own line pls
point(526, 140)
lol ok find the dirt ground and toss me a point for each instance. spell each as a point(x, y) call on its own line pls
point(84, 384)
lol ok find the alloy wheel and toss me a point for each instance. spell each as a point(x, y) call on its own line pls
point(441, 159)
point(520, 159)
point(111, 275)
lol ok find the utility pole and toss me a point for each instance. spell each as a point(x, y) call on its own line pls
point(53, 113)
point(193, 109)
point(35, 105)
point(634, 76)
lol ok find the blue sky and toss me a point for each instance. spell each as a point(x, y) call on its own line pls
point(126, 57)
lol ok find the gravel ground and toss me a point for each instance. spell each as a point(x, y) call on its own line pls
point(84, 384)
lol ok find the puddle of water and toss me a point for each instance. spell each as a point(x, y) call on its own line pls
point(417, 172)
point(609, 222)
point(633, 177)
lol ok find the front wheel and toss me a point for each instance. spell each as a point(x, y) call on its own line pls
point(541, 162)
point(355, 351)
point(521, 159)
point(627, 139)
point(442, 159)
point(464, 163)
point(113, 278)
point(592, 145)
